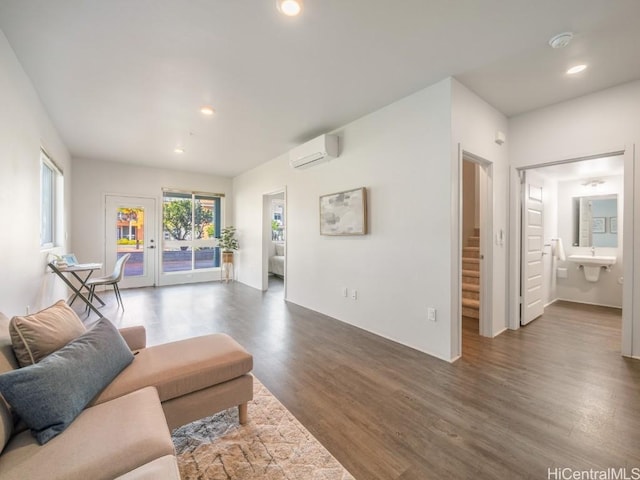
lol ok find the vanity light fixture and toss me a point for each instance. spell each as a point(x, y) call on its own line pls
point(290, 8)
point(594, 182)
point(576, 69)
point(207, 110)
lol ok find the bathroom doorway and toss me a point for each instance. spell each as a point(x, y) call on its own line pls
point(274, 236)
point(571, 236)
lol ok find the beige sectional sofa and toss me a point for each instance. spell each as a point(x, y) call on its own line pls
point(124, 431)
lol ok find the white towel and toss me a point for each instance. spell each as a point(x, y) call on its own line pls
point(559, 251)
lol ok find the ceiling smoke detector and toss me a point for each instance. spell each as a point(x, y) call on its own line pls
point(561, 40)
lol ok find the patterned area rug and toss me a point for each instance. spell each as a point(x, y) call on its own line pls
point(272, 445)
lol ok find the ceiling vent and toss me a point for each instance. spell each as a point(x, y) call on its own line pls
point(315, 151)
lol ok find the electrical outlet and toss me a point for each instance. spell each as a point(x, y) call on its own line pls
point(345, 292)
point(28, 309)
point(431, 314)
point(354, 294)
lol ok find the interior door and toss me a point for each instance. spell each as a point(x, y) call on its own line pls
point(532, 244)
point(130, 228)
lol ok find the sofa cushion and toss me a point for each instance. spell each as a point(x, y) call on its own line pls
point(51, 393)
point(182, 367)
point(36, 336)
point(279, 249)
point(104, 442)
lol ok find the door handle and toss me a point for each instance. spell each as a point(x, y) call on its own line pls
point(151, 246)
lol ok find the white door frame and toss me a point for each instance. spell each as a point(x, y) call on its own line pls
point(266, 236)
point(630, 308)
point(485, 171)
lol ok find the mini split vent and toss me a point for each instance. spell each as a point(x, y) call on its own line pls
point(315, 151)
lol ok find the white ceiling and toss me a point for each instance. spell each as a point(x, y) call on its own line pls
point(123, 79)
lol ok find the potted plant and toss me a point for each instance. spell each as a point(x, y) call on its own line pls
point(228, 243)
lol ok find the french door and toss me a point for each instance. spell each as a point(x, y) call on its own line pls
point(130, 228)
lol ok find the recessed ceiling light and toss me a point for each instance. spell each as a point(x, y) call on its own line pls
point(561, 40)
point(178, 150)
point(291, 8)
point(576, 69)
point(207, 110)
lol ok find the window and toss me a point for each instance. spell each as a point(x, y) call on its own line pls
point(191, 224)
point(50, 201)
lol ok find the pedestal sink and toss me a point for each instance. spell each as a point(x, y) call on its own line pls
point(592, 264)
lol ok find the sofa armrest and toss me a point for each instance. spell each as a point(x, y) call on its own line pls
point(136, 337)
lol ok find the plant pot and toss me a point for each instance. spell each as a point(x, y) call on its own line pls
point(227, 257)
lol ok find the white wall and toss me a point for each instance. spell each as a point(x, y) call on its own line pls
point(603, 122)
point(402, 154)
point(474, 125)
point(607, 291)
point(25, 128)
point(94, 179)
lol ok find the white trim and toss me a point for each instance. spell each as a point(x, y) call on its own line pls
point(631, 260)
point(456, 256)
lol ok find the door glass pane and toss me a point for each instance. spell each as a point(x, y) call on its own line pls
point(130, 239)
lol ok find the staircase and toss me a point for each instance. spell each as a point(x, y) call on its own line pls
point(471, 276)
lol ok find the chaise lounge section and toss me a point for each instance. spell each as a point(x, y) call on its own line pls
point(125, 430)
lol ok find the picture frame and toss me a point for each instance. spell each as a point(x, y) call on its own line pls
point(598, 225)
point(613, 224)
point(344, 213)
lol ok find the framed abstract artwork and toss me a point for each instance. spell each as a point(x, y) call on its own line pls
point(344, 213)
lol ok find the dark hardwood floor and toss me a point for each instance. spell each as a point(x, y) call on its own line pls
point(555, 393)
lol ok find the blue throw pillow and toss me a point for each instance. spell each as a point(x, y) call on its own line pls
point(49, 395)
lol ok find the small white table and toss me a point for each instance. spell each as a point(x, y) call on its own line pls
point(77, 290)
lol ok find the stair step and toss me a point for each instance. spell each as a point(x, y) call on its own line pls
point(471, 252)
point(470, 287)
point(470, 312)
point(471, 264)
point(471, 276)
point(473, 241)
point(471, 294)
point(476, 232)
point(470, 303)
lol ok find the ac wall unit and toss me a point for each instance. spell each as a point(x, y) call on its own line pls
point(314, 151)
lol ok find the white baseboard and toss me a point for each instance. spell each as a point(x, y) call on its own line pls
point(588, 303)
point(500, 332)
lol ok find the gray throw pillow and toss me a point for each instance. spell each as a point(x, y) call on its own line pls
point(49, 395)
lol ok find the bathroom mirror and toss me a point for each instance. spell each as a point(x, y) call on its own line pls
point(595, 221)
